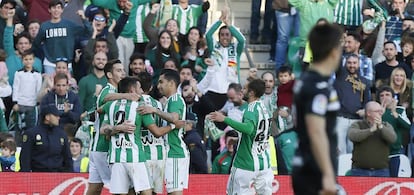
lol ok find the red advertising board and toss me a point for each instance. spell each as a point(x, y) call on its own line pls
point(72, 183)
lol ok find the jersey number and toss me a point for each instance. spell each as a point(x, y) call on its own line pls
point(119, 117)
point(263, 127)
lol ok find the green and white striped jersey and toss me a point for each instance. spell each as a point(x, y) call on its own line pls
point(126, 147)
point(142, 12)
point(349, 12)
point(186, 18)
point(175, 145)
point(98, 141)
point(253, 151)
point(154, 147)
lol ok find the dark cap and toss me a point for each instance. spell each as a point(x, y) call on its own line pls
point(49, 109)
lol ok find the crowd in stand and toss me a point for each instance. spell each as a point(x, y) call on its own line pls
point(69, 68)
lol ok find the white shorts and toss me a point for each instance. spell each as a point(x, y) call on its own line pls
point(240, 181)
point(156, 171)
point(176, 174)
point(125, 175)
point(99, 171)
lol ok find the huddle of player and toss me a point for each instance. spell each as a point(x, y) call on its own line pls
point(137, 144)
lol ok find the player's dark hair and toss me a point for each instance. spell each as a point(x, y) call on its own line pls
point(257, 86)
point(126, 83)
point(171, 75)
point(323, 39)
point(146, 81)
point(109, 66)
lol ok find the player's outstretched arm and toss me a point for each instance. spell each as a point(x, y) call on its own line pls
point(315, 125)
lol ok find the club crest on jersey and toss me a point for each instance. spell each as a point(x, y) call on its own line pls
point(322, 85)
point(320, 104)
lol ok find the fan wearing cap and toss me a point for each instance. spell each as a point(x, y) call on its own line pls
point(45, 148)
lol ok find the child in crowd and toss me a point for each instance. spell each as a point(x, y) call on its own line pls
point(26, 86)
point(80, 161)
point(7, 158)
point(285, 88)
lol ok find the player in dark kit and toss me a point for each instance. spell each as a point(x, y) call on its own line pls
point(315, 105)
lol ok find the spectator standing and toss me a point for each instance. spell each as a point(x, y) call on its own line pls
point(14, 51)
point(285, 88)
point(91, 84)
point(6, 7)
point(152, 32)
point(255, 22)
point(125, 41)
point(287, 24)
point(188, 14)
point(26, 87)
point(353, 92)
point(225, 62)
point(310, 12)
point(393, 26)
point(372, 138)
point(348, 14)
point(46, 147)
point(269, 97)
point(161, 53)
point(33, 27)
point(57, 32)
point(102, 40)
point(351, 46)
